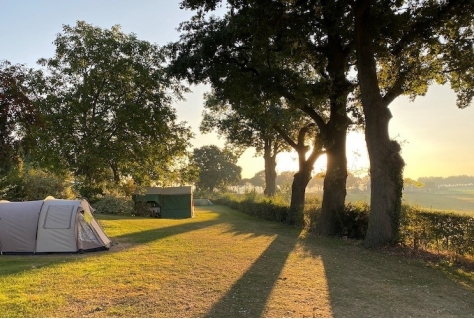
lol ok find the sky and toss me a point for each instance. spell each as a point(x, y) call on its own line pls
point(435, 134)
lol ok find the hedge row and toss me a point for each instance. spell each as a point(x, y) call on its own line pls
point(352, 221)
point(437, 231)
point(267, 209)
point(419, 229)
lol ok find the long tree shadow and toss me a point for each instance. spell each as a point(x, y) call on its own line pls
point(367, 283)
point(249, 295)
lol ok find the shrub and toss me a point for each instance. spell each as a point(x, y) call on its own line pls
point(266, 208)
point(114, 205)
point(27, 183)
point(141, 209)
point(419, 229)
point(437, 231)
point(353, 220)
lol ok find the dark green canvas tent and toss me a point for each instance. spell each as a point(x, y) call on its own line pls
point(169, 202)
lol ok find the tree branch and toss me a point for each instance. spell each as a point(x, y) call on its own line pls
point(315, 117)
point(285, 136)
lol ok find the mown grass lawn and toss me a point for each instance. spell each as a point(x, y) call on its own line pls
point(225, 264)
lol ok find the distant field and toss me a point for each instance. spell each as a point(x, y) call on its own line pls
point(454, 199)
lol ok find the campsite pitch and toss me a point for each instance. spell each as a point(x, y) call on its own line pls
point(225, 264)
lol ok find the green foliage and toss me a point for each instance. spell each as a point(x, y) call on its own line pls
point(437, 231)
point(28, 183)
point(353, 220)
point(217, 168)
point(266, 208)
point(18, 115)
point(419, 229)
point(141, 209)
point(106, 101)
point(110, 204)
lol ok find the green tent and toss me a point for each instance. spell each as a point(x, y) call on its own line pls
point(168, 202)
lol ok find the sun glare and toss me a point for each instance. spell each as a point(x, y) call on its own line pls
point(357, 158)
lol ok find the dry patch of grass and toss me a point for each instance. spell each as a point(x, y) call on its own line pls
point(225, 264)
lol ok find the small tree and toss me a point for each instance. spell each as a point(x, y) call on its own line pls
point(217, 168)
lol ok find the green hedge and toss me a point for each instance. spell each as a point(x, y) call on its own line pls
point(437, 231)
point(110, 204)
point(268, 209)
point(419, 229)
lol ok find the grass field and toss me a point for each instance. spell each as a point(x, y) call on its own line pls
point(225, 264)
point(459, 199)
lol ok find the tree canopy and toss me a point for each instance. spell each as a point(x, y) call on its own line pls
point(18, 115)
point(217, 168)
point(107, 104)
point(394, 48)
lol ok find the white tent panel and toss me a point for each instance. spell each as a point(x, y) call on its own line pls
point(18, 223)
point(56, 226)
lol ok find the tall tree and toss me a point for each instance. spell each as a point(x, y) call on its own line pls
point(217, 168)
point(401, 48)
point(397, 47)
point(305, 167)
point(108, 106)
point(296, 53)
point(18, 115)
point(248, 121)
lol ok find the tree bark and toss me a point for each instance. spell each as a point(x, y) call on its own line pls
point(270, 169)
point(116, 173)
point(303, 176)
point(334, 194)
point(334, 134)
point(386, 163)
point(298, 193)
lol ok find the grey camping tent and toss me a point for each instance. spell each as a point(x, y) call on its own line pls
point(49, 226)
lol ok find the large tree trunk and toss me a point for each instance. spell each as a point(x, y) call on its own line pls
point(116, 173)
point(303, 176)
point(298, 193)
point(386, 163)
point(270, 169)
point(334, 194)
point(335, 133)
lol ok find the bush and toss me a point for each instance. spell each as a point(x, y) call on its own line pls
point(29, 183)
point(141, 209)
point(266, 208)
point(419, 229)
point(353, 220)
point(437, 231)
point(114, 205)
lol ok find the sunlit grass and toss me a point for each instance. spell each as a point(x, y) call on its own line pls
point(225, 264)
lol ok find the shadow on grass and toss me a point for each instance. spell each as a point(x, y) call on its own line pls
point(249, 295)
point(361, 283)
point(17, 263)
point(369, 283)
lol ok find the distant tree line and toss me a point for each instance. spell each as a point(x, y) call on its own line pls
point(459, 180)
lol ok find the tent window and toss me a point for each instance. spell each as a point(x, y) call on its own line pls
point(58, 217)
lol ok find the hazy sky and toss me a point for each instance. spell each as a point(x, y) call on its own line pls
point(435, 135)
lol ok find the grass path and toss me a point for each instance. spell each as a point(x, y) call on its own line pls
point(225, 264)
